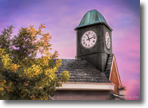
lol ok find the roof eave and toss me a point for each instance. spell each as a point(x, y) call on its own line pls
point(94, 24)
point(87, 86)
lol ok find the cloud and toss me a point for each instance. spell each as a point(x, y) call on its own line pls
point(61, 17)
point(133, 89)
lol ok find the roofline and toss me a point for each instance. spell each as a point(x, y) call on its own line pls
point(94, 24)
point(114, 59)
point(87, 86)
point(117, 72)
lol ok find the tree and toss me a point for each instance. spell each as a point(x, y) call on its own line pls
point(5, 41)
point(22, 75)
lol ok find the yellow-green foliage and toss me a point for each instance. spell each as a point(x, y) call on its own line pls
point(65, 76)
point(22, 76)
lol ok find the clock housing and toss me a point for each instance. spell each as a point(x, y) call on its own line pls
point(97, 54)
point(100, 45)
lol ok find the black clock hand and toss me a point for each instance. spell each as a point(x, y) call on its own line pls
point(87, 36)
point(90, 38)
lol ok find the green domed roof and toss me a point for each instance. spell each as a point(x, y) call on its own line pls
point(92, 17)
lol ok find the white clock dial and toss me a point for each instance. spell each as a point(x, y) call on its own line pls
point(89, 39)
point(107, 40)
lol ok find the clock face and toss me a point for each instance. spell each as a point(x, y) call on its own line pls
point(107, 40)
point(89, 39)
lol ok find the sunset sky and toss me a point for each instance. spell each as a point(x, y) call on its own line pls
point(62, 16)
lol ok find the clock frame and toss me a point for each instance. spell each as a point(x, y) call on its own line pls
point(107, 40)
point(89, 39)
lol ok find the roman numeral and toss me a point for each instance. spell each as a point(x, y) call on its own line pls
point(94, 37)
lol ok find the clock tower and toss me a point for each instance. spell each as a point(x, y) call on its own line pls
point(94, 39)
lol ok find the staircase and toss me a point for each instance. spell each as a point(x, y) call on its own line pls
point(108, 65)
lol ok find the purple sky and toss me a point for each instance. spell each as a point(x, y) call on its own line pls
point(62, 16)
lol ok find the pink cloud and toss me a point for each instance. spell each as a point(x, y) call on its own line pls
point(133, 89)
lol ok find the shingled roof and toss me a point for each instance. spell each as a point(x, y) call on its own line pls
point(82, 71)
